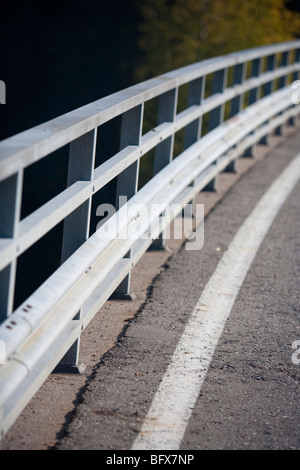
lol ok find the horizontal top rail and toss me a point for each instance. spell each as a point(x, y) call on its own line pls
point(29, 146)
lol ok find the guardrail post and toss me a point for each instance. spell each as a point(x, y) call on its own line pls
point(218, 86)
point(164, 151)
point(217, 114)
point(239, 75)
point(195, 97)
point(291, 121)
point(77, 224)
point(268, 88)
point(283, 82)
point(10, 210)
point(127, 182)
point(254, 94)
point(193, 130)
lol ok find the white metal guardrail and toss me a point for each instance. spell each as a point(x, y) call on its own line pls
point(44, 330)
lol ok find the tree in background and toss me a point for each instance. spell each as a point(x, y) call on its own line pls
point(174, 33)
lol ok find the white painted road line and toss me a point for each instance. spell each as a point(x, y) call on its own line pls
point(173, 403)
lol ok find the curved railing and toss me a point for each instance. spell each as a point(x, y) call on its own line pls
point(250, 97)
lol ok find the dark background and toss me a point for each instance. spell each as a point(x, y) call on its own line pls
point(56, 57)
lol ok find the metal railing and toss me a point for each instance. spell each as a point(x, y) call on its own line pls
point(250, 97)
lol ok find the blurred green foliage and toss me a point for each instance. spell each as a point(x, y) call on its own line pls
point(174, 33)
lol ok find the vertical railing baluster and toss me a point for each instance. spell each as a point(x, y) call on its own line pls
point(166, 113)
point(254, 95)
point(217, 114)
point(164, 151)
point(193, 130)
point(218, 86)
point(283, 81)
point(295, 76)
point(127, 182)
point(10, 211)
point(239, 75)
point(256, 69)
point(284, 62)
point(268, 88)
point(77, 224)
point(195, 97)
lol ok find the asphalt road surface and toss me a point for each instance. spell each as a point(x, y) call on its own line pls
point(166, 384)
